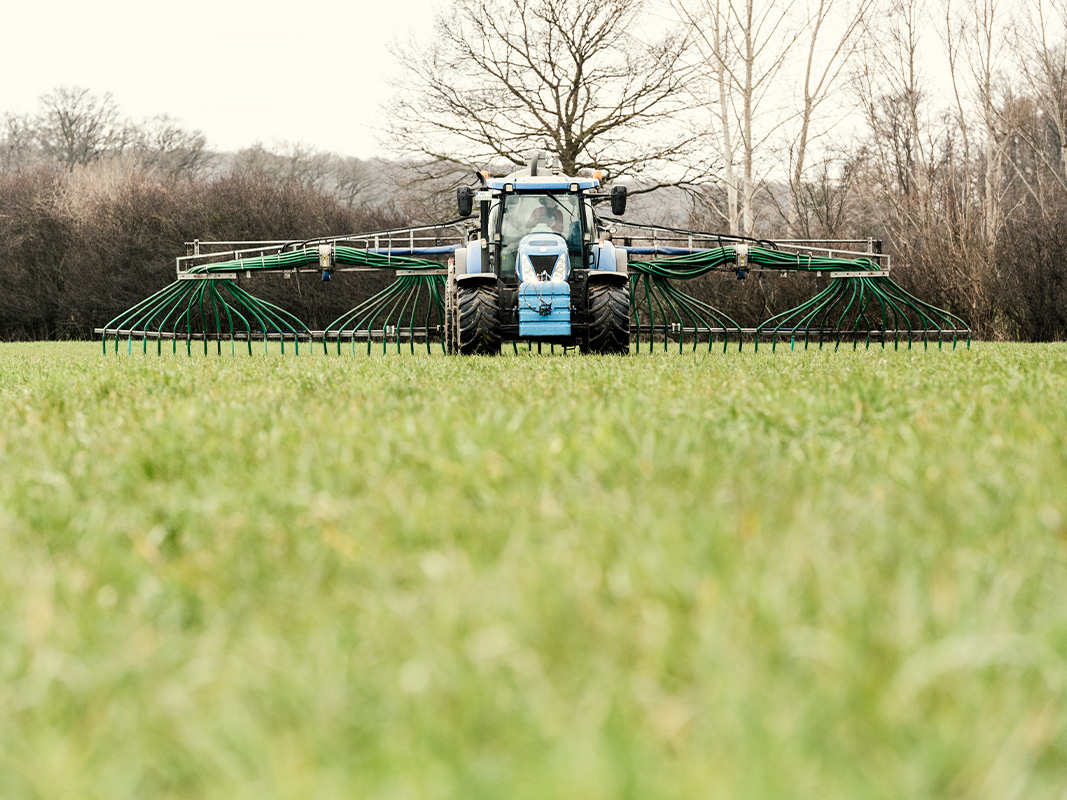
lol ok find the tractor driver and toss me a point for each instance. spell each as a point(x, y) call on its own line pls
point(547, 213)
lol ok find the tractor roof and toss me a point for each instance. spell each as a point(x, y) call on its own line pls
point(542, 183)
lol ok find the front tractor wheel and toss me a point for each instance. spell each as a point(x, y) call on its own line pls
point(478, 313)
point(609, 319)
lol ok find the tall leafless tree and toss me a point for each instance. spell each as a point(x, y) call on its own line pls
point(711, 35)
point(1044, 64)
point(576, 76)
point(743, 46)
point(829, 48)
point(984, 39)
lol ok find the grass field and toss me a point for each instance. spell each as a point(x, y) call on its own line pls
point(799, 575)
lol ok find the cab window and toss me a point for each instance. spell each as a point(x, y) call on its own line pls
point(529, 213)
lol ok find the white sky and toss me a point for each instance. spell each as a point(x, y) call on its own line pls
point(310, 71)
point(302, 71)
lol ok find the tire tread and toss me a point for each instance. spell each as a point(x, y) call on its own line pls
point(609, 319)
point(478, 309)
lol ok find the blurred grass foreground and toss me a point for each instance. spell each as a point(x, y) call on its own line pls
point(806, 574)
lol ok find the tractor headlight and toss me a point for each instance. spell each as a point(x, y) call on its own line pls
point(559, 272)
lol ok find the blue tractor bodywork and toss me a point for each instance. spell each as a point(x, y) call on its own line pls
point(542, 266)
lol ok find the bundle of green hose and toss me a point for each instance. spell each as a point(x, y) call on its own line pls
point(700, 262)
point(309, 256)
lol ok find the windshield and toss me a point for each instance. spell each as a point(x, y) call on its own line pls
point(530, 213)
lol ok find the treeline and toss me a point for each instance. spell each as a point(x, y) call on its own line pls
point(989, 245)
point(78, 247)
point(74, 128)
point(965, 182)
point(94, 208)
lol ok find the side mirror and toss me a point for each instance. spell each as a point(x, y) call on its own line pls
point(465, 200)
point(618, 200)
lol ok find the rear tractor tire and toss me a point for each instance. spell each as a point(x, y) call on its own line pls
point(609, 319)
point(478, 312)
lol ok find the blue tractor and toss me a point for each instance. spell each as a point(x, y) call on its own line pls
point(539, 267)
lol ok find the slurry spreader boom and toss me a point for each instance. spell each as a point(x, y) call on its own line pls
point(541, 266)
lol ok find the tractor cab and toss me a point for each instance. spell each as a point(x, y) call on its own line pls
point(552, 205)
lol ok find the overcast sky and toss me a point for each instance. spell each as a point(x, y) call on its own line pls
point(310, 71)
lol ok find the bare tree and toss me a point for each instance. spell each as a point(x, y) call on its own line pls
point(891, 92)
point(76, 126)
point(828, 197)
point(829, 51)
point(952, 41)
point(1044, 63)
point(574, 76)
point(18, 144)
point(712, 40)
point(351, 178)
point(744, 46)
point(162, 144)
point(984, 42)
